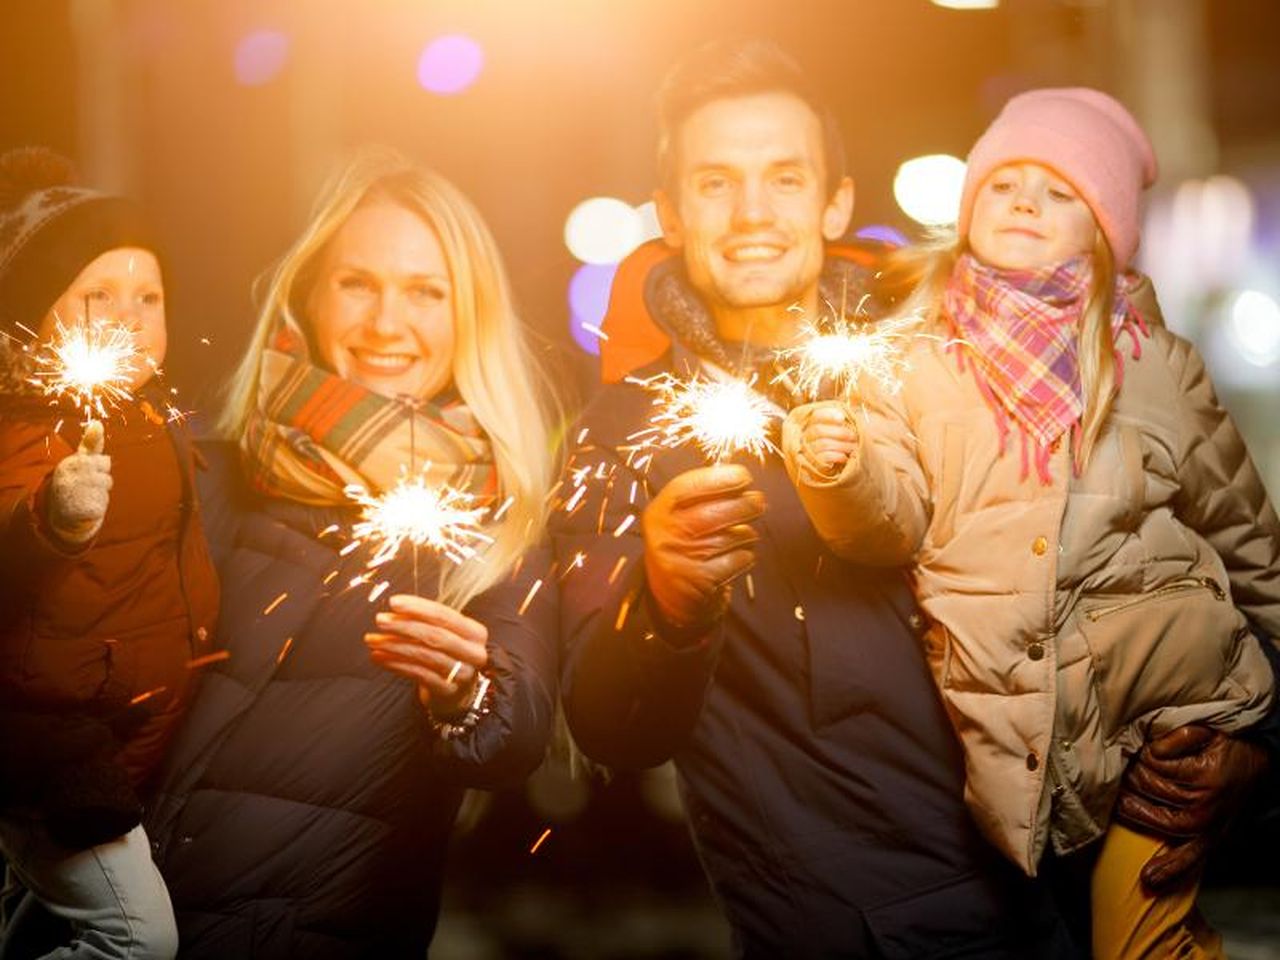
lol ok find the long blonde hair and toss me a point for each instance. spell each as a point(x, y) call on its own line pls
point(922, 272)
point(494, 369)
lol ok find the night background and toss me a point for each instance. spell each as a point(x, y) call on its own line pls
point(223, 117)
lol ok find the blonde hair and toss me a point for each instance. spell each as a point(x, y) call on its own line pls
point(494, 369)
point(923, 271)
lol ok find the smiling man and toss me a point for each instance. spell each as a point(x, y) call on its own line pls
point(820, 775)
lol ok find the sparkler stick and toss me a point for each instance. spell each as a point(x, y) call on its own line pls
point(722, 417)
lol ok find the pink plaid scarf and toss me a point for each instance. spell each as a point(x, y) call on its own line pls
point(1021, 329)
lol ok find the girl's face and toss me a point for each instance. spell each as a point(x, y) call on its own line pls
point(1026, 216)
point(123, 286)
point(381, 311)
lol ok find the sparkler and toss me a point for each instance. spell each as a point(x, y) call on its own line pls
point(722, 417)
point(441, 518)
point(91, 363)
point(844, 355)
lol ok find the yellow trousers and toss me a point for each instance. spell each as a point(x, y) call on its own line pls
point(1129, 923)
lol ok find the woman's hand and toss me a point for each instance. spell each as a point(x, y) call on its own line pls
point(828, 438)
point(434, 645)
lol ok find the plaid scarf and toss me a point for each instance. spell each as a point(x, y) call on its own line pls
point(313, 432)
point(1021, 329)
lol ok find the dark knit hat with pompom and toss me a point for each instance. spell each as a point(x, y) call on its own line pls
point(50, 230)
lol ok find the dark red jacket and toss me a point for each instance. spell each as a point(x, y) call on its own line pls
point(108, 629)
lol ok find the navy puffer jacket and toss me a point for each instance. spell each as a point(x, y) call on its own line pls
point(306, 803)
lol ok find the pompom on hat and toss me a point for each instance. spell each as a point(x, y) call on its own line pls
point(1085, 136)
point(51, 229)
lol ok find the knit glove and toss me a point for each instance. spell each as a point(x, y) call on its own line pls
point(79, 488)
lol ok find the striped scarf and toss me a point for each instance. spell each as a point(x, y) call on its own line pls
point(1021, 330)
point(313, 432)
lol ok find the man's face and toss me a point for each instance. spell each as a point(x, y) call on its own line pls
point(751, 209)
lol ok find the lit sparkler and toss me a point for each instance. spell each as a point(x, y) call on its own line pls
point(91, 363)
point(441, 518)
point(722, 417)
point(841, 355)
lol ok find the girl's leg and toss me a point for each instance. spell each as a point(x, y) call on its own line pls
point(1130, 923)
point(112, 894)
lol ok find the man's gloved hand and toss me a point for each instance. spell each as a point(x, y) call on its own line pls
point(697, 539)
point(1185, 787)
point(79, 489)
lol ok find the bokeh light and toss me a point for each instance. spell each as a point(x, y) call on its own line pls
point(928, 188)
point(883, 233)
point(967, 4)
point(1255, 327)
point(603, 230)
point(449, 64)
point(588, 300)
point(260, 56)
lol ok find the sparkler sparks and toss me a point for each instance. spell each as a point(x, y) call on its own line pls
point(442, 518)
point(843, 355)
point(92, 363)
point(722, 417)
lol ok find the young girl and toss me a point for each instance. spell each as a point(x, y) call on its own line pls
point(1080, 510)
point(105, 582)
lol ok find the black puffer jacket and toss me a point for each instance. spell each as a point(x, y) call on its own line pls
point(306, 803)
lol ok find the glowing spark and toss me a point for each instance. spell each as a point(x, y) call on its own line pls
point(625, 525)
point(582, 436)
point(329, 577)
point(722, 417)
point(275, 603)
point(617, 569)
point(331, 528)
point(595, 331)
point(751, 588)
point(842, 356)
point(533, 592)
point(208, 659)
point(284, 650)
point(575, 499)
point(143, 697)
point(578, 560)
point(454, 671)
point(92, 364)
point(379, 590)
point(503, 508)
point(624, 608)
point(441, 518)
point(545, 833)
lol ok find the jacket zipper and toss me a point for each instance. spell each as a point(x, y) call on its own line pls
point(1178, 586)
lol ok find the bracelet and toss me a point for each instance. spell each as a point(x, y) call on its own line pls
point(477, 707)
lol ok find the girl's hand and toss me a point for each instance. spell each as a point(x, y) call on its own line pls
point(80, 488)
point(829, 438)
point(434, 645)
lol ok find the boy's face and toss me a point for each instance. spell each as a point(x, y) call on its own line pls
point(1026, 216)
point(121, 286)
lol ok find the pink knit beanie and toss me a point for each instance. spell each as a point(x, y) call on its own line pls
point(1087, 137)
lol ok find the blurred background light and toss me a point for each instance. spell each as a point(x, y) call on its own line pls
point(588, 300)
point(260, 56)
point(603, 230)
point(928, 188)
point(883, 233)
point(967, 4)
point(449, 64)
point(1255, 327)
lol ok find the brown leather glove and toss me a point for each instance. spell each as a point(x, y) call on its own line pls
point(1184, 788)
point(697, 539)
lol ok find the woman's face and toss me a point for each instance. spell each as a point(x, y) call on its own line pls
point(1026, 216)
point(121, 286)
point(381, 311)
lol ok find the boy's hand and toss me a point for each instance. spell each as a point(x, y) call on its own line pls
point(828, 438)
point(79, 489)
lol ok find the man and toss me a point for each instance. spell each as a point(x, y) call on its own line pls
point(706, 622)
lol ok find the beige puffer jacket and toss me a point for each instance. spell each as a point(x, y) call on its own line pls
point(1074, 620)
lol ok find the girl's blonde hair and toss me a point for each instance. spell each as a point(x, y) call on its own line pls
point(922, 272)
point(494, 369)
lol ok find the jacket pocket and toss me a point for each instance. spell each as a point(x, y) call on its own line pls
point(1169, 647)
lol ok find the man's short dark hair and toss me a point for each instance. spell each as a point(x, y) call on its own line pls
point(728, 69)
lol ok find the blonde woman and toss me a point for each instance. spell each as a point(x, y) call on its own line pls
point(307, 801)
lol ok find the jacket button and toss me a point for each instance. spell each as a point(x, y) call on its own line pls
point(201, 634)
point(1033, 761)
point(1039, 545)
point(1035, 650)
point(915, 621)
